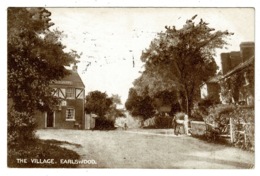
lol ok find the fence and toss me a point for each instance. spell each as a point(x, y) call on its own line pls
point(236, 133)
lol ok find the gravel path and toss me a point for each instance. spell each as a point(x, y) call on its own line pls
point(149, 149)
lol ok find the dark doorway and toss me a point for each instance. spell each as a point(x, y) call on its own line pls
point(50, 119)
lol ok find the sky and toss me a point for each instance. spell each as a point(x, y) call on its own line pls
point(111, 40)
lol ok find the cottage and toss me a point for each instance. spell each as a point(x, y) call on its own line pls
point(70, 113)
point(243, 73)
point(234, 64)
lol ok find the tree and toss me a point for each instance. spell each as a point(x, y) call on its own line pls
point(114, 112)
point(139, 105)
point(181, 59)
point(98, 103)
point(105, 107)
point(35, 59)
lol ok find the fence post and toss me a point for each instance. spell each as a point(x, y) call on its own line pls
point(231, 130)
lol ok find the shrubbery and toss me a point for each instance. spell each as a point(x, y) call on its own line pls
point(104, 124)
point(201, 110)
point(159, 121)
point(242, 123)
point(21, 127)
point(163, 121)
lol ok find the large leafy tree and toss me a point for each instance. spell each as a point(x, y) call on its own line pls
point(36, 58)
point(180, 60)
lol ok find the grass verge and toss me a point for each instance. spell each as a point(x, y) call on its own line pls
point(41, 154)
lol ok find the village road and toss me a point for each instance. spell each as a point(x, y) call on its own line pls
point(149, 149)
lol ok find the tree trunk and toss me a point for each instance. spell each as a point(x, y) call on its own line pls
point(186, 100)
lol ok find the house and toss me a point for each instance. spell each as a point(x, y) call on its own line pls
point(236, 85)
point(70, 113)
point(244, 74)
point(210, 88)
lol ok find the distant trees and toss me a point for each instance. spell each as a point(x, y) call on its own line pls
point(139, 105)
point(145, 106)
point(104, 107)
point(35, 59)
point(179, 60)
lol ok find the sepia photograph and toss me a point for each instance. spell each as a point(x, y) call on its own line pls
point(131, 87)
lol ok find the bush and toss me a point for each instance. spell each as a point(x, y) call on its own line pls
point(162, 121)
point(242, 122)
point(202, 109)
point(104, 124)
point(197, 115)
point(215, 113)
point(21, 127)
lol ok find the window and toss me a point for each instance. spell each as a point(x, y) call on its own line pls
point(70, 114)
point(59, 92)
point(70, 93)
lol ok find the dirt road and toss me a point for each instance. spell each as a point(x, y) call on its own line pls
point(149, 149)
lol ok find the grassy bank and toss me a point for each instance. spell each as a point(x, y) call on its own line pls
point(42, 154)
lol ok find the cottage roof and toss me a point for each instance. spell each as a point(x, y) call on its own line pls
point(214, 79)
point(241, 66)
point(71, 80)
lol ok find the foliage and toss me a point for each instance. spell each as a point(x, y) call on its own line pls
point(20, 128)
point(35, 59)
point(139, 105)
point(167, 98)
point(104, 124)
point(201, 110)
point(236, 83)
point(116, 99)
point(105, 107)
point(208, 101)
point(114, 112)
point(180, 60)
point(215, 113)
point(98, 103)
point(154, 79)
point(145, 106)
point(162, 121)
point(242, 121)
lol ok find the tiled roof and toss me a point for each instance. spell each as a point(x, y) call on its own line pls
point(214, 79)
point(71, 80)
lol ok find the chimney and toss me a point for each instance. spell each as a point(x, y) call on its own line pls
point(235, 59)
point(247, 50)
point(75, 68)
point(225, 62)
